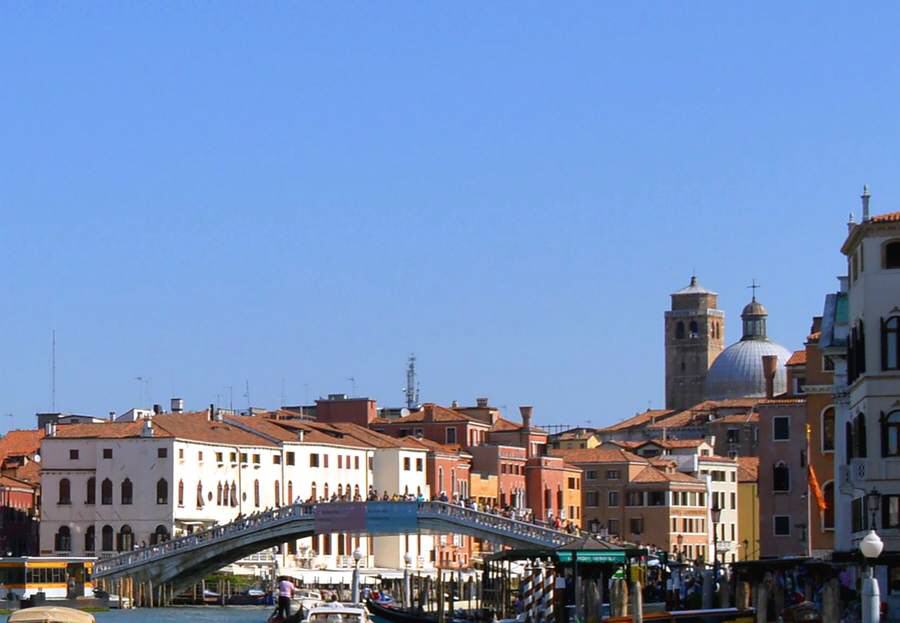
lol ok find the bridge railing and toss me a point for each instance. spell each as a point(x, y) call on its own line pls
point(496, 523)
point(200, 539)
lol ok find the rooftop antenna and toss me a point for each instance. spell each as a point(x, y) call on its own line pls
point(412, 383)
point(754, 286)
point(53, 372)
point(247, 393)
point(283, 399)
point(352, 380)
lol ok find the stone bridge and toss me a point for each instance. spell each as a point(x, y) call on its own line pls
point(185, 559)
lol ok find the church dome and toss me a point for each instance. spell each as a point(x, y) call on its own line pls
point(738, 370)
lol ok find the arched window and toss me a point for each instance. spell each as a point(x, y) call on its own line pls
point(160, 535)
point(90, 492)
point(890, 343)
point(340, 491)
point(127, 491)
point(106, 492)
point(548, 499)
point(65, 492)
point(859, 434)
point(290, 492)
point(63, 540)
point(892, 254)
point(180, 493)
point(356, 495)
point(126, 539)
point(828, 429)
point(234, 498)
point(679, 330)
point(219, 495)
point(277, 493)
point(89, 539)
point(312, 495)
point(781, 478)
point(441, 480)
point(199, 495)
point(695, 330)
point(559, 500)
point(162, 491)
point(890, 434)
point(256, 493)
point(828, 514)
point(326, 492)
point(106, 536)
point(348, 492)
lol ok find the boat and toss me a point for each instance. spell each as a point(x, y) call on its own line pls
point(396, 615)
point(305, 600)
point(50, 614)
point(336, 612)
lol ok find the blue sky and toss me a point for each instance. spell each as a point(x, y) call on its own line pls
point(289, 195)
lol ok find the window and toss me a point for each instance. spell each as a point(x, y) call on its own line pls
point(324, 460)
point(892, 254)
point(107, 453)
point(356, 462)
point(162, 491)
point(733, 500)
point(781, 478)
point(200, 456)
point(828, 430)
point(290, 493)
point(89, 539)
point(276, 459)
point(420, 465)
point(199, 495)
point(679, 331)
point(612, 498)
point(340, 461)
point(180, 493)
point(636, 525)
point(612, 474)
point(571, 483)
point(162, 453)
point(634, 498)
point(65, 492)
point(890, 436)
point(859, 434)
point(256, 493)
point(219, 497)
point(63, 540)
point(277, 493)
point(257, 459)
point(614, 527)
point(591, 474)
point(126, 539)
point(890, 511)
point(313, 459)
point(656, 498)
point(781, 428)
point(232, 456)
point(106, 489)
point(781, 525)
point(243, 457)
point(694, 330)
point(289, 459)
point(890, 343)
point(181, 454)
point(406, 464)
point(450, 434)
point(591, 498)
point(91, 491)
point(828, 514)
point(106, 539)
point(126, 491)
point(733, 435)
point(73, 455)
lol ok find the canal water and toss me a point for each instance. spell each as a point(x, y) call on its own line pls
point(197, 614)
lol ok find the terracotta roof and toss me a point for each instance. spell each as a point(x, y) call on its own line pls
point(624, 444)
point(600, 454)
point(104, 430)
point(652, 474)
point(574, 434)
point(782, 401)
point(890, 217)
point(434, 446)
point(797, 359)
point(674, 443)
point(715, 458)
point(639, 420)
point(6, 481)
point(30, 472)
point(739, 418)
point(437, 414)
point(20, 443)
point(369, 437)
point(748, 468)
point(503, 424)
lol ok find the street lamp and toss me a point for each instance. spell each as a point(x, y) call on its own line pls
point(870, 546)
point(715, 514)
point(407, 592)
point(357, 556)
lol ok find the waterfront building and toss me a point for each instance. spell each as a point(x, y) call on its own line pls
point(748, 507)
point(574, 438)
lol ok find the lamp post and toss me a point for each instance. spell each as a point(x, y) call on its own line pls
point(870, 546)
point(407, 593)
point(357, 556)
point(715, 514)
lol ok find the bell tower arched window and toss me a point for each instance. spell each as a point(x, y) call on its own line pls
point(695, 330)
point(679, 330)
point(890, 343)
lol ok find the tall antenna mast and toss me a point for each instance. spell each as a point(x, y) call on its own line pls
point(412, 383)
point(53, 372)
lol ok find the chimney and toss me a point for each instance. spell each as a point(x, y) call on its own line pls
point(454, 404)
point(157, 409)
point(112, 416)
point(526, 411)
point(147, 428)
point(177, 405)
point(50, 429)
point(428, 408)
point(865, 203)
point(770, 364)
point(482, 403)
point(210, 412)
point(300, 435)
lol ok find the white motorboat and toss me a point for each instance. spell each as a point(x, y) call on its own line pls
point(338, 613)
point(305, 600)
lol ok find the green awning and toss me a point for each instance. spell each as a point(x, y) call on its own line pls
point(588, 556)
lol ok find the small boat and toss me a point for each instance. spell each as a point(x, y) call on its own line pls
point(338, 613)
point(305, 600)
point(50, 614)
point(396, 615)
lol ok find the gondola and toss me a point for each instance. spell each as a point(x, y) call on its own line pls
point(396, 615)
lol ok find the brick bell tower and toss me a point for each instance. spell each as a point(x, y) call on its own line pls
point(695, 335)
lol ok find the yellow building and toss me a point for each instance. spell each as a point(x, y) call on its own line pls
point(575, 439)
point(748, 508)
point(572, 494)
point(483, 488)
